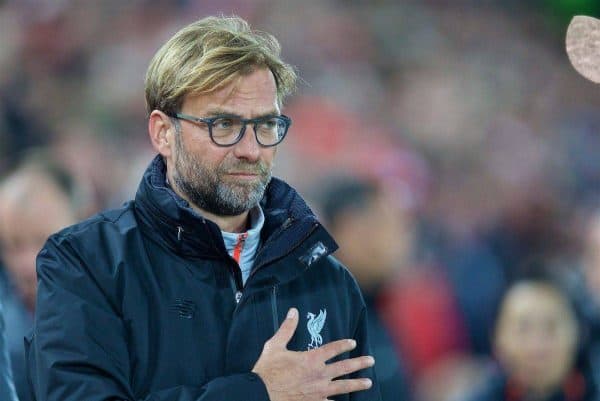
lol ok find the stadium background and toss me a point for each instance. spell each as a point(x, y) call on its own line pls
point(469, 110)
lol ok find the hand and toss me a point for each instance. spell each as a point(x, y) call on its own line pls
point(305, 376)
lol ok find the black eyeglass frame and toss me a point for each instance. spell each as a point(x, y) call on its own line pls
point(209, 121)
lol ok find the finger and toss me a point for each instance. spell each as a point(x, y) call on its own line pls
point(337, 387)
point(283, 336)
point(333, 349)
point(348, 366)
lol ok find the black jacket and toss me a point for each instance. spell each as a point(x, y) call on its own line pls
point(139, 303)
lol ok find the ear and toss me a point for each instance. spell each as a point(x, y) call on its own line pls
point(162, 133)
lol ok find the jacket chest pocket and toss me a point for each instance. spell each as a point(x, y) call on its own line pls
point(180, 339)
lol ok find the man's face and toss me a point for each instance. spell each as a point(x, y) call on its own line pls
point(536, 336)
point(225, 181)
point(376, 240)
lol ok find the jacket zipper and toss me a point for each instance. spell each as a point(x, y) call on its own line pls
point(274, 309)
point(236, 287)
point(286, 224)
point(238, 292)
point(237, 256)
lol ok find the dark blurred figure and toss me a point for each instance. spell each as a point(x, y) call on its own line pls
point(539, 344)
point(7, 387)
point(374, 234)
point(417, 332)
point(589, 296)
point(420, 337)
point(36, 199)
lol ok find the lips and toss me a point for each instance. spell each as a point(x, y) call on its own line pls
point(244, 170)
point(242, 176)
point(245, 173)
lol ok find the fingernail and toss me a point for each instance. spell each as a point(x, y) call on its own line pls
point(368, 383)
point(292, 313)
point(371, 361)
point(353, 344)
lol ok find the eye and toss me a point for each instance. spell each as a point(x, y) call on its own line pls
point(269, 124)
point(223, 123)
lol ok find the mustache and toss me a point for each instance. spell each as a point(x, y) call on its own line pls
point(244, 167)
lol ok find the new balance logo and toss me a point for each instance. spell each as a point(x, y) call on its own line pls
point(184, 308)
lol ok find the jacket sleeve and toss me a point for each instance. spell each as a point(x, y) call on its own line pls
point(79, 351)
point(363, 348)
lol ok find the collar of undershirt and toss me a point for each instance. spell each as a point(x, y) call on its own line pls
point(234, 242)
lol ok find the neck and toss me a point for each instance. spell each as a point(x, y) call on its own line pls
point(230, 224)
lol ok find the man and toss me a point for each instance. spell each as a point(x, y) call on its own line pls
point(375, 235)
point(23, 230)
point(216, 282)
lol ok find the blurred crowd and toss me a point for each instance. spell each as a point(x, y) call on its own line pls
point(445, 144)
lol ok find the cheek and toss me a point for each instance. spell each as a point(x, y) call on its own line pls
point(508, 347)
point(565, 346)
point(198, 156)
point(268, 155)
point(21, 263)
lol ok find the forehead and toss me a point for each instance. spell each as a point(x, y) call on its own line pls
point(530, 300)
point(20, 206)
point(250, 94)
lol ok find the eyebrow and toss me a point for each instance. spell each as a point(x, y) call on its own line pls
point(226, 113)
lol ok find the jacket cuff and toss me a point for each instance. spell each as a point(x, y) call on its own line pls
point(242, 387)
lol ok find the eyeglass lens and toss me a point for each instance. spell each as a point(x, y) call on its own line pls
point(269, 131)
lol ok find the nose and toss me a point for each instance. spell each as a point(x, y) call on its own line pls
point(247, 148)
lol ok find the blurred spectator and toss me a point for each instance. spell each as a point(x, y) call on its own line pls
point(591, 261)
point(539, 344)
point(36, 200)
point(374, 234)
point(411, 333)
point(482, 89)
point(589, 296)
point(7, 387)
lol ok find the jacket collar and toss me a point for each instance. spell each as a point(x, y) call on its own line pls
point(170, 220)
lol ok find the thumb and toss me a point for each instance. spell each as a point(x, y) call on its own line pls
point(287, 329)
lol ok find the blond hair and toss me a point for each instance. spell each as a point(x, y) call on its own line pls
point(208, 54)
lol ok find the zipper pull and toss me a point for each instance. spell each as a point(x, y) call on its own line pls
point(179, 231)
point(287, 223)
point(238, 296)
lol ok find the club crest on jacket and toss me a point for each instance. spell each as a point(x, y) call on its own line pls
point(315, 325)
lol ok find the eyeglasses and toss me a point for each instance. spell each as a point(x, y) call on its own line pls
point(229, 130)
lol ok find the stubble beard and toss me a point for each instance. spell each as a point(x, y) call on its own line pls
point(210, 189)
